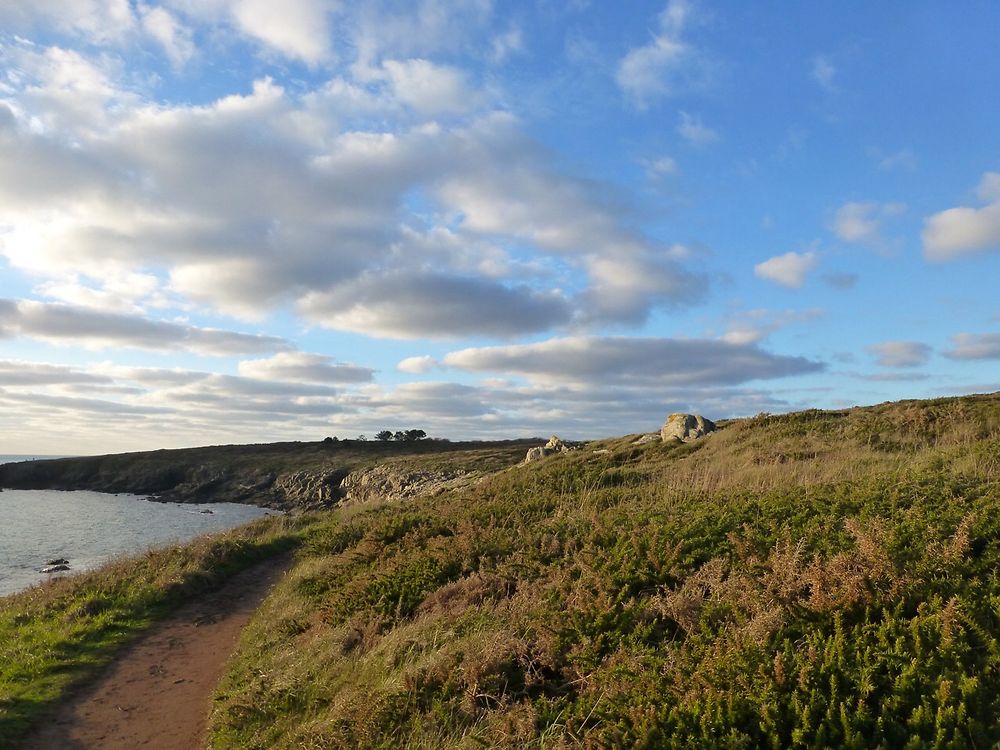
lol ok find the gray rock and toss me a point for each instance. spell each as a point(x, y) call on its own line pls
point(555, 445)
point(392, 484)
point(54, 568)
point(57, 561)
point(648, 438)
point(686, 427)
point(534, 454)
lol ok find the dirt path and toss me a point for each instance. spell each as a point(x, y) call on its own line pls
point(157, 693)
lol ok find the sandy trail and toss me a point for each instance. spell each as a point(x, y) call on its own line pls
point(158, 692)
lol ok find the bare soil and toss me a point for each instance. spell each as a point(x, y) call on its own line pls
point(158, 692)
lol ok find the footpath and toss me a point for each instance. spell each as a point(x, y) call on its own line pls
point(158, 692)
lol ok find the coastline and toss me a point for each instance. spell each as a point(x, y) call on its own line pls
point(88, 529)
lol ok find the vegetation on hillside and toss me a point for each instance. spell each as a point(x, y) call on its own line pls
point(821, 579)
point(54, 635)
point(254, 474)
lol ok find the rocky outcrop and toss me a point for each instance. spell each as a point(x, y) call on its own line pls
point(534, 454)
point(555, 445)
point(283, 476)
point(391, 484)
point(686, 427)
point(309, 490)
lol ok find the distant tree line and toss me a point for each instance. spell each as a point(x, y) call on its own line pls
point(400, 435)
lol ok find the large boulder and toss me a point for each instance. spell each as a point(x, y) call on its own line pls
point(686, 427)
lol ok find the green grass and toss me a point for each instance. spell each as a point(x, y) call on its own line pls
point(823, 579)
point(55, 635)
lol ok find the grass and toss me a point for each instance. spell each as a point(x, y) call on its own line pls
point(821, 579)
point(55, 635)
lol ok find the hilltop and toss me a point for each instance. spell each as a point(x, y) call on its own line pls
point(817, 579)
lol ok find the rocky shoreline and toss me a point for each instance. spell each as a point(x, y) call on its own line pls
point(304, 476)
point(287, 477)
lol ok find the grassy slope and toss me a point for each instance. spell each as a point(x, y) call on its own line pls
point(55, 635)
point(810, 580)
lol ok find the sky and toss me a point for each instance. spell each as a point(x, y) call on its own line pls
point(238, 221)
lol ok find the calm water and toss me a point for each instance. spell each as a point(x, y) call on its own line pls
point(25, 457)
point(88, 528)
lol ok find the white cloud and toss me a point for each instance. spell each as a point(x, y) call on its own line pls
point(824, 72)
point(506, 44)
point(989, 187)
point(383, 28)
point(429, 305)
point(962, 231)
point(98, 329)
point(900, 353)
point(632, 360)
point(665, 166)
point(692, 130)
point(790, 269)
point(303, 367)
point(975, 346)
point(753, 326)
point(428, 88)
point(862, 222)
point(904, 159)
point(173, 36)
point(125, 292)
point(20, 373)
point(261, 200)
point(63, 91)
point(298, 28)
point(50, 407)
point(417, 365)
point(626, 286)
point(659, 68)
point(440, 400)
point(99, 21)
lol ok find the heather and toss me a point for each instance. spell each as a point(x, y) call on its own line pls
point(820, 579)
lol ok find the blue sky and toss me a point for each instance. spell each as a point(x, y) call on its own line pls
point(230, 221)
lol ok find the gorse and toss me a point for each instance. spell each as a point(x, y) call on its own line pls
point(821, 579)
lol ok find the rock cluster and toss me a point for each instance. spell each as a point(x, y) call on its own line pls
point(55, 565)
point(686, 427)
point(389, 483)
point(555, 445)
point(308, 489)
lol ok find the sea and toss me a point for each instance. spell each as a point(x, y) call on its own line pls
point(91, 528)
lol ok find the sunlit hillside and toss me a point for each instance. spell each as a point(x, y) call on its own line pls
point(820, 579)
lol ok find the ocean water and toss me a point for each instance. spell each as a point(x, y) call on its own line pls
point(89, 528)
point(26, 457)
